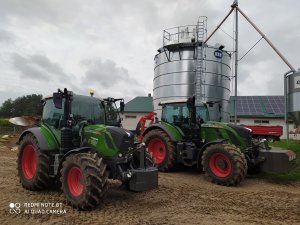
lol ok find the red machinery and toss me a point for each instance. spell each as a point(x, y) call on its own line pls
point(142, 124)
point(271, 133)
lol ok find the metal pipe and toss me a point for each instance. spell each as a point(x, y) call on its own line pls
point(236, 61)
point(286, 105)
point(267, 40)
point(233, 6)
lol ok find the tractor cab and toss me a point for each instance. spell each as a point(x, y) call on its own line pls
point(185, 116)
point(86, 109)
point(112, 116)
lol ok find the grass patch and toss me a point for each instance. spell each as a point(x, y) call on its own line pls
point(294, 174)
point(5, 123)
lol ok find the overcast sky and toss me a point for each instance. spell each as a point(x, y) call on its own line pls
point(109, 46)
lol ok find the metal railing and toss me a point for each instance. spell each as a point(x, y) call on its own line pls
point(180, 34)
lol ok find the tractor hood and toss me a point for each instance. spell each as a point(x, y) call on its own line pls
point(238, 135)
point(123, 139)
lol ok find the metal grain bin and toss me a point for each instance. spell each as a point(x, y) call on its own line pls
point(293, 96)
point(175, 72)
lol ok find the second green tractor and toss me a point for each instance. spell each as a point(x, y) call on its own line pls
point(225, 152)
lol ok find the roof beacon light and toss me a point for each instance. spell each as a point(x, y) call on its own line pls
point(92, 93)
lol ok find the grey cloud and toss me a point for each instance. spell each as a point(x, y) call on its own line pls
point(37, 67)
point(37, 11)
point(106, 73)
point(6, 36)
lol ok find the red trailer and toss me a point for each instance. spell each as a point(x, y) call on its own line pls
point(271, 133)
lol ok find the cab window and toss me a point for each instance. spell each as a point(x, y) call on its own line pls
point(53, 117)
point(175, 114)
point(91, 111)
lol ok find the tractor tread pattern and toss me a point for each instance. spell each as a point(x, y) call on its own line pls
point(239, 165)
point(171, 150)
point(41, 180)
point(96, 179)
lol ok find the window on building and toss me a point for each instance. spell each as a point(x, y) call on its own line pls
point(262, 121)
point(130, 117)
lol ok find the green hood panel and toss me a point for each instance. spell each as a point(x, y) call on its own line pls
point(211, 131)
point(100, 139)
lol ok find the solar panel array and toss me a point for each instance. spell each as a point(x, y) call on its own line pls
point(260, 105)
point(274, 104)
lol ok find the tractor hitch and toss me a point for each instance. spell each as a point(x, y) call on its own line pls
point(277, 160)
point(143, 178)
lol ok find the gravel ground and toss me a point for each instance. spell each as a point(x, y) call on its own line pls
point(183, 197)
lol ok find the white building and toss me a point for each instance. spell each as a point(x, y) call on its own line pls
point(261, 110)
point(135, 109)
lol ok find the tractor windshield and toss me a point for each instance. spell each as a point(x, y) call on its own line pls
point(179, 114)
point(202, 113)
point(87, 108)
point(176, 114)
point(83, 108)
point(111, 114)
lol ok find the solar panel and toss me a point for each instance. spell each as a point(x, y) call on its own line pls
point(248, 105)
point(274, 104)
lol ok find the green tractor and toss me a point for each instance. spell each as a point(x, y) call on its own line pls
point(225, 152)
point(79, 145)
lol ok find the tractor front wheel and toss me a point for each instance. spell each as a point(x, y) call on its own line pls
point(162, 149)
point(84, 180)
point(224, 164)
point(33, 165)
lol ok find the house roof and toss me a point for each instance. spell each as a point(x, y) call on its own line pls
point(258, 106)
point(139, 104)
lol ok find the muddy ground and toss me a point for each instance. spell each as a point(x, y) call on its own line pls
point(183, 197)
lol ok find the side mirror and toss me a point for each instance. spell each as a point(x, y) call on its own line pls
point(122, 106)
point(57, 100)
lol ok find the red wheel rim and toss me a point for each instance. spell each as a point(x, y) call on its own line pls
point(74, 181)
point(29, 162)
point(220, 165)
point(158, 149)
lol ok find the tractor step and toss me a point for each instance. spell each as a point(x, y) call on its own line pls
point(277, 160)
point(144, 179)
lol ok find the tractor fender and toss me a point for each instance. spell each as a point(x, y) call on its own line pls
point(161, 127)
point(36, 132)
point(200, 153)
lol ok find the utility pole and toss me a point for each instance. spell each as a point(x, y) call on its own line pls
point(235, 5)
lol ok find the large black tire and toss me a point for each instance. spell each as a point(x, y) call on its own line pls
point(84, 180)
point(162, 148)
point(33, 165)
point(224, 164)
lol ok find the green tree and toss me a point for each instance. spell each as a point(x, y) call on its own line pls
point(29, 105)
point(6, 108)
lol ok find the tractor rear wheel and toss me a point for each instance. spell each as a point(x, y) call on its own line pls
point(84, 180)
point(33, 165)
point(162, 148)
point(224, 164)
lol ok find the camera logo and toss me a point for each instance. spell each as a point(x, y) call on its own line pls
point(14, 208)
